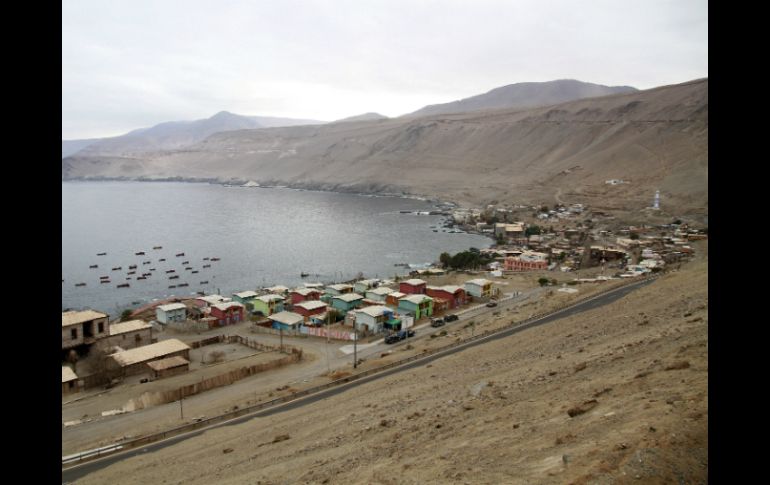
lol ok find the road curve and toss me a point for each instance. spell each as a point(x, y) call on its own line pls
point(73, 473)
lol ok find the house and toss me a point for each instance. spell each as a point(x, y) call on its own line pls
point(207, 301)
point(286, 320)
point(168, 367)
point(277, 290)
point(379, 293)
point(309, 308)
point(299, 295)
point(373, 318)
point(246, 298)
point(69, 381)
point(360, 287)
point(392, 298)
point(173, 312)
point(83, 328)
point(268, 304)
point(347, 302)
point(417, 305)
point(454, 295)
point(227, 313)
point(128, 335)
point(527, 261)
point(480, 288)
point(412, 287)
point(514, 232)
point(134, 361)
point(340, 289)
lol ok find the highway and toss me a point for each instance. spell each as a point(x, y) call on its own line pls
point(70, 474)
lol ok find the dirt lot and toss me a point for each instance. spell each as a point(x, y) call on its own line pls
point(618, 394)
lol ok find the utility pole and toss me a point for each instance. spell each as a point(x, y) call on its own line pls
point(355, 344)
point(280, 330)
point(181, 407)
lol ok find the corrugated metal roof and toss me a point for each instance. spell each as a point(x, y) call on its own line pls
point(287, 318)
point(278, 289)
point(416, 299)
point(478, 282)
point(269, 298)
point(171, 362)
point(171, 307)
point(67, 374)
point(213, 299)
point(130, 326)
point(340, 287)
point(141, 354)
point(375, 310)
point(397, 294)
point(414, 282)
point(305, 291)
point(382, 291)
point(225, 306)
point(311, 305)
point(246, 294)
point(348, 297)
point(73, 318)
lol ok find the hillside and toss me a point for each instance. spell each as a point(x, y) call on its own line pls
point(71, 147)
point(505, 412)
point(524, 95)
point(653, 139)
point(363, 117)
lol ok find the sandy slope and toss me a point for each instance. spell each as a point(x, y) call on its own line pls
point(496, 413)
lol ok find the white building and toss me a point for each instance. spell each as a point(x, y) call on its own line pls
point(173, 312)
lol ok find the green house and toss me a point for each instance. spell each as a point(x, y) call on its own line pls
point(268, 304)
point(418, 305)
point(347, 302)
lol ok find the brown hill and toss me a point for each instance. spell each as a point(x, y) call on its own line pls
point(618, 394)
point(653, 139)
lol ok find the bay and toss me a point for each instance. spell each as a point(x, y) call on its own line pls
point(262, 236)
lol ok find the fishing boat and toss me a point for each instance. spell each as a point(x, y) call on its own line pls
point(205, 259)
point(94, 266)
point(128, 278)
point(203, 283)
point(101, 254)
point(141, 278)
point(80, 284)
point(104, 277)
point(194, 272)
point(175, 277)
point(304, 275)
point(140, 253)
point(124, 285)
point(182, 285)
point(105, 281)
point(162, 259)
point(131, 272)
point(180, 255)
point(133, 266)
point(172, 286)
point(201, 293)
point(147, 262)
point(188, 268)
point(157, 247)
point(171, 271)
point(185, 262)
point(214, 259)
point(117, 269)
point(152, 269)
point(207, 266)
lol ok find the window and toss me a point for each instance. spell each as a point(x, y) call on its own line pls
point(74, 333)
point(101, 327)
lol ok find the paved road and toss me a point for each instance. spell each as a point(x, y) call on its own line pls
point(73, 473)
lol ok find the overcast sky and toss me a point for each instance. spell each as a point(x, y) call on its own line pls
point(132, 64)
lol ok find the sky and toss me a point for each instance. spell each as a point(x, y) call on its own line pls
point(133, 64)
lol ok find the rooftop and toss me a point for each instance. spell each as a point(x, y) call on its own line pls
point(130, 326)
point(340, 287)
point(269, 298)
point(479, 282)
point(348, 297)
point(152, 351)
point(287, 318)
point(375, 310)
point(171, 307)
point(246, 294)
point(213, 299)
point(414, 282)
point(416, 299)
point(73, 318)
point(311, 305)
point(171, 362)
point(67, 374)
point(225, 306)
point(382, 290)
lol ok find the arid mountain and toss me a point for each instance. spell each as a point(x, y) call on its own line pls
point(655, 140)
point(524, 95)
point(363, 117)
point(179, 134)
point(71, 147)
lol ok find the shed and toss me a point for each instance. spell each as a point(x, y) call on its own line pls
point(173, 312)
point(132, 361)
point(286, 320)
point(169, 367)
point(69, 381)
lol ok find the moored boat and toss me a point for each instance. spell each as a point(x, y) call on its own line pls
point(124, 285)
point(179, 255)
point(80, 284)
point(94, 266)
point(101, 254)
point(140, 253)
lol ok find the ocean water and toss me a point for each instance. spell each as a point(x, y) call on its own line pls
point(263, 237)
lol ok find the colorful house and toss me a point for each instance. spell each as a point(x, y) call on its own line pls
point(347, 302)
point(379, 293)
point(454, 295)
point(246, 298)
point(286, 320)
point(417, 305)
point(392, 298)
point(277, 290)
point(480, 288)
point(173, 312)
point(360, 287)
point(227, 313)
point(207, 301)
point(299, 295)
point(373, 318)
point(268, 304)
point(412, 287)
point(309, 308)
point(340, 289)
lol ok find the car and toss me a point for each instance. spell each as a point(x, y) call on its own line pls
point(437, 322)
point(392, 338)
point(451, 318)
point(409, 333)
point(492, 304)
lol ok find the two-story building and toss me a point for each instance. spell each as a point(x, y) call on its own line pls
point(128, 335)
point(268, 304)
point(310, 308)
point(454, 295)
point(298, 295)
point(417, 305)
point(480, 288)
point(228, 313)
point(348, 301)
point(83, 328)
point(412, 287)
point(246, 298)
point(527, 261)
point(372, 318)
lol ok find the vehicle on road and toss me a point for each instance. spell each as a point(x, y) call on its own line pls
point(492, 304)
point(392, 338)
point(437, 322)
point(451, 318)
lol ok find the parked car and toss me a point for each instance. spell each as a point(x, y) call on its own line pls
point(409, 333)
point(492, 304)
point(392, 338)
point(437, 322)
point(451, 318)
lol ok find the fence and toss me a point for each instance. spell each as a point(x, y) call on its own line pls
point(145, 440)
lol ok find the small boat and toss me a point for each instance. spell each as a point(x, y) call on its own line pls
point(152, 269)
point(141, 278)
point(105, 281)
point(188, 268)
point(162, 259)
point(80, 284)
point(182, 284)
point(203, 283)
point(194, 272)
point(304, 275)
point(205, 259)
point(133, 266)
point(185, 262)
point(147, 262)
point(117, 269)
point(175, 277)
point(94, 266)
point(101, 254)
point(180, 255)
point(104, 277)
point(124, 285)
point(157, 247)
point(136, 302)
point(207, 266)
point(131, 272)
point(214, 259)
point(171, 271)
point(172, 286)
point(140, 253)
point(128, 278)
